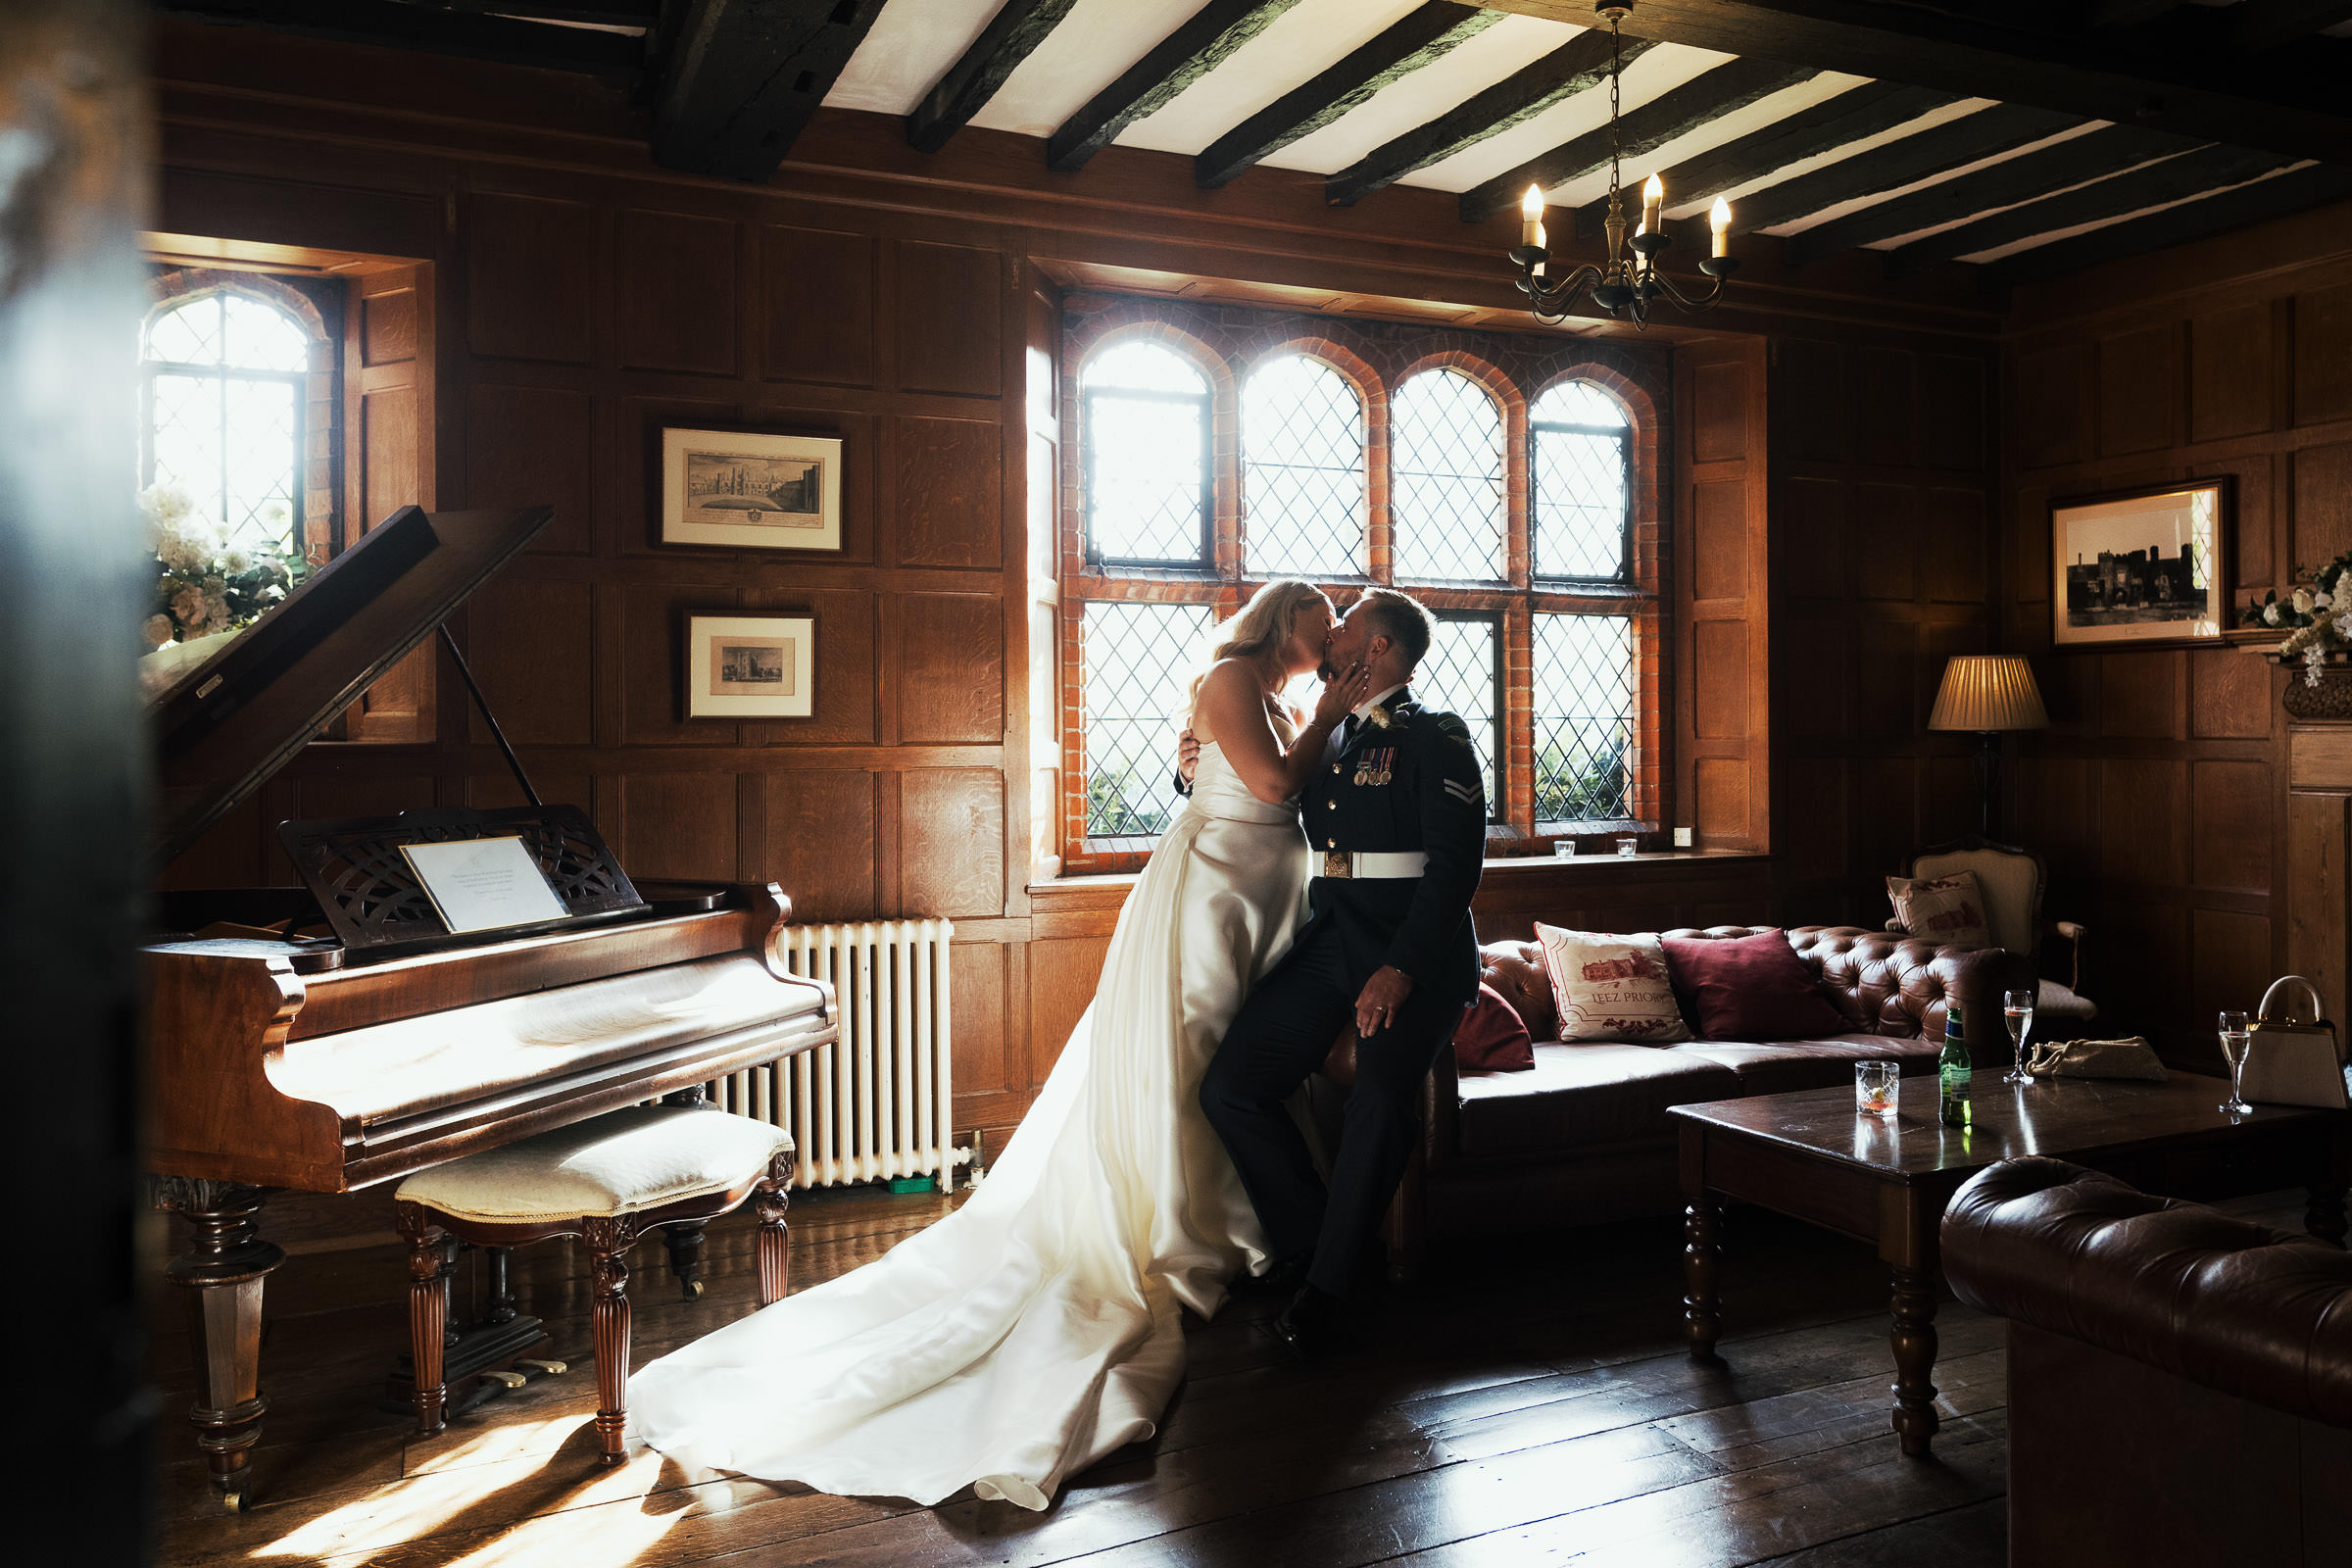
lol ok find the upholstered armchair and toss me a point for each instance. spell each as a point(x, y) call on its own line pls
point(2012, 882)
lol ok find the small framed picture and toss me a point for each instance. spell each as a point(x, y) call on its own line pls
point(751, 666)
point(748, 491)
point(2141, 566)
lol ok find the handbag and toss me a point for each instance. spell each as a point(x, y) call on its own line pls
point(2130, 1057)
point(2291, 1060)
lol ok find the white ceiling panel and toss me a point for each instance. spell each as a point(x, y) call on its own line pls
point(1872, 200)
point(1658, 70)
point(913, 44)
point(1427, 93)
point(1309, 37)
point(2055, 235)
point(1093, 45)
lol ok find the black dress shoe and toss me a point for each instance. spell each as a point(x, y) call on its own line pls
point(1309, 1325)
point(1281, 1281)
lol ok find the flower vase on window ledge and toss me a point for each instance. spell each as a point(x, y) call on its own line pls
point(207, 589)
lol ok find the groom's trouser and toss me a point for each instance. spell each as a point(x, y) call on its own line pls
point(1282, 1034)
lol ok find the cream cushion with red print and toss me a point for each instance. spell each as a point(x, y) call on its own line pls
point(1610, 986)
point(1941, 909)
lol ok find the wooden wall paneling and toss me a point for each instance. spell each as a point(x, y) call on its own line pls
point(2230, 967)
point(1886, 407)
point(1887, 663)
point(1810, 400)
point(2257, 521)
point(817, 305)
point(2319, 915)
point(2052, 405)
point(389, 463)
point(535, 446)
point(980, 985)
point(1952, 414)
point(2323, 503)
point(661, 258)
point(492, 790)
point(1723, 554)
point(845, 667)
point(531, 271)
point(946, 481)
point(530, 644)
point(652, 684)
point(2136, 395)
point(820, 842)
point(2230, 824)
point(1955, 528)
point(950, 318)
point(2230, 696)
point(950, 668)
point(1063, 974)
point(2323, 360)
point(2144, 822)
point(2139, 694)
point(628, 487)
point(2229, 371)
point(1888, 526)
point(678, 824)
point(951, 857)
point(1813, 515)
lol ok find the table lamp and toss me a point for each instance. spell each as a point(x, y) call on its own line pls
point(1988, 693)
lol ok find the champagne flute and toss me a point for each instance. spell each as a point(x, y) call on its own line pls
point(2017, 1016)
point(2235, 1037)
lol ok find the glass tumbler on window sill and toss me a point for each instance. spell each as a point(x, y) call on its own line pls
point(1877, 1089)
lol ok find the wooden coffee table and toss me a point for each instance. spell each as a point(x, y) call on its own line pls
point(1808, 1155)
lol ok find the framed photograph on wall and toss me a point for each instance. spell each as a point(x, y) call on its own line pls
point(2141, 568)
point(748, 491)
point(751, 666)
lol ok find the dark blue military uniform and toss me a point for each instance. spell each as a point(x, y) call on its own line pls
point(1408, 785)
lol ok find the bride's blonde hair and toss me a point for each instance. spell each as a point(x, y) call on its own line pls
point(1262, 627)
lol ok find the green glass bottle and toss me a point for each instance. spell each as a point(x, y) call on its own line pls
point(1953, 1070)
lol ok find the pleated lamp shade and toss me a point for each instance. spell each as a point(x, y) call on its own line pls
point(1989, 692)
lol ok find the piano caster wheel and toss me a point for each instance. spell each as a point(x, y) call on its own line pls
point(233, 1501)
point(694, 1289)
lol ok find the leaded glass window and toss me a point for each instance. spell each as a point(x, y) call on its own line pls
point(1149, 491)
point(1136, 661)
point(1446, 481)
point(1303, 472)
point(221, 393)
point(1462, 675)
point(1579, 460)
point(1585, 719)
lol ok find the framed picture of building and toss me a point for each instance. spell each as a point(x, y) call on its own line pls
point(751, 666)
point(750, 491)
point(2141, 567)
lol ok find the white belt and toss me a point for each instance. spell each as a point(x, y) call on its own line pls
point(1344, 865)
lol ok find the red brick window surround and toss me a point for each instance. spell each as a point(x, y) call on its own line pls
point(1354, 452)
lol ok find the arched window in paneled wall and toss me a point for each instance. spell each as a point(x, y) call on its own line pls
point(222, 378)
point(1304, 486)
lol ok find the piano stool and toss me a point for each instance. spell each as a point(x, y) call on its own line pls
point(608, 1179)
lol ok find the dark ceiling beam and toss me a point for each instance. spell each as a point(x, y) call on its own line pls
point(601, 13)
point(1638, 132)
point(1011, 35)
point(393, 25)
point(1206, 39)
point(1940, 149)
point(2196, 172)
point(744, 76)
point(2279, 196)
point(2108, 150)
point(1577, 65)
point(2129, 13)
point(1406, 45)
point(2295, 102)
point(1852, 116)
point(2257, 26)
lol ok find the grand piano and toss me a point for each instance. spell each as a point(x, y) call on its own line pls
point(337, 1036)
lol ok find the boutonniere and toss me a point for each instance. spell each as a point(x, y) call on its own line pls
point(1379, 717)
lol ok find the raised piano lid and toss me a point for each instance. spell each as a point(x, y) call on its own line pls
point(229, 724)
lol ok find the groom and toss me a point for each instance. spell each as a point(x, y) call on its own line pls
point(1396, 828)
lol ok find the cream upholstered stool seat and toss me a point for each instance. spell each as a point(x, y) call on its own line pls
point(608, 1179)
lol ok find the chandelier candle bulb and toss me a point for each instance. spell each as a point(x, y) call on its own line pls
point(1653, 197)
point(1531, 216)
point(1719, 219)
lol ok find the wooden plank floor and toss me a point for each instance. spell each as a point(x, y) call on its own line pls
point(1529, 1408)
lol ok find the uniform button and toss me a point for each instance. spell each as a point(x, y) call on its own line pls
point(1331, 844)
point(1331, 806)
point(1335, 767)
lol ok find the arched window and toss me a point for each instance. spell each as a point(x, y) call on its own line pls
point(221, 391)
point(1445, 494)
point(1150, 495)
point(1578, 456)
point(1303, 472)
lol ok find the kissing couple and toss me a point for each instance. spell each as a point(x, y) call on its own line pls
point(1317, 877)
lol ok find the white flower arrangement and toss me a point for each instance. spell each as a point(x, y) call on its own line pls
point(207, 585)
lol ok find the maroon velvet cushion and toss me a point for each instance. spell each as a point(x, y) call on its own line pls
point(1493, 1038)
point(1750, 988)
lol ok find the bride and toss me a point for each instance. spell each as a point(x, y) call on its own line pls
point(1036, 1328)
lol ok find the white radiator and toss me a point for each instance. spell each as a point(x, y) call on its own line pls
point(878, 1103)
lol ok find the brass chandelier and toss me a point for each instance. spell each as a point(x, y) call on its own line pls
point(1628, 279)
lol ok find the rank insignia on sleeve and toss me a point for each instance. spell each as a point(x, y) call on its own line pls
point(1467, 794)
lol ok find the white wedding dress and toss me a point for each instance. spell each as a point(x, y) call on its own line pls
point(1036, 1329)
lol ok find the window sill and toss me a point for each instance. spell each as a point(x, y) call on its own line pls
point(1582, 867)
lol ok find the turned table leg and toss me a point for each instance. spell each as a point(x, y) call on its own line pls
point(609, 1243)
point(1913, 1336)
point(771, 1200)
point(428, 1315)
point(223, 1272)
point(1702, 1251)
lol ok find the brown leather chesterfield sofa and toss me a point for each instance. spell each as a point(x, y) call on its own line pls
point(1584, 1138)
point(2180, 1381)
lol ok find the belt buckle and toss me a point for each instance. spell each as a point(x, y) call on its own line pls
point(1334, 864)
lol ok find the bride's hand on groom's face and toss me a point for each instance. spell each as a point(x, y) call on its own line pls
point(1343, 694)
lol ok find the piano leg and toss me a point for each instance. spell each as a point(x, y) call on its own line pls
point(223, 1272)
point(609, 1243)
point(685, 1243)
point(771, 1200)
point(428, 1313)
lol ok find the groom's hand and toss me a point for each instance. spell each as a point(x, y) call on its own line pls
point(1188, 755)
point(1382, 999)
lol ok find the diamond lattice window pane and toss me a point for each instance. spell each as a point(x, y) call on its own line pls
point(262, 337)
point(1578, 496)
point(184, 437)
point(1143, 368)
point(1134, 667)
point(1577, 403)
point(1583, 712)
point(188, 335)
point(1446, 474)
point(1145, 461)
point(1303, 470)
point(261, 462)
point(1457, 676)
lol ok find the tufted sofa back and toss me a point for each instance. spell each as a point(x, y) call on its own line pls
point(1881, 982)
